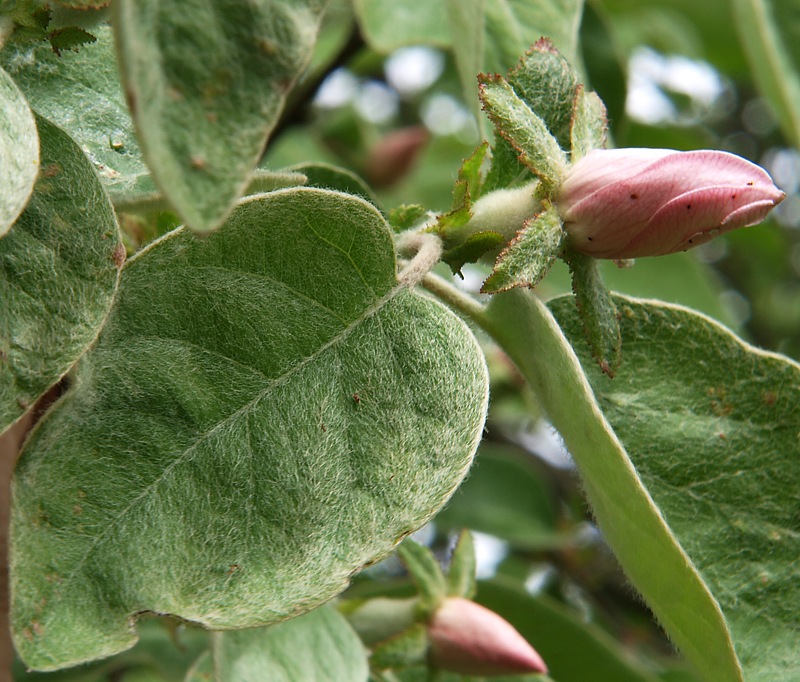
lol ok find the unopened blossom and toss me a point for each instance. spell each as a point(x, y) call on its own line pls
point(469, 639)
point(628, 203)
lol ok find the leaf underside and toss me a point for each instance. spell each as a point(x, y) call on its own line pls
point(58, 272)
point(206, 86)
point(265, 412)
point(19, 152)
point(97, 117)
point(711, 425)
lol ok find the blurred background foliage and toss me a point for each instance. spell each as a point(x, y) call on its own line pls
point(385, 98)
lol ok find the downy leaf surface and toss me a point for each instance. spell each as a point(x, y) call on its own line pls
point(58, 272)
point(96, 116)
point(19, 152)
point(267, 411)
point(711, 425)
point(205, 86)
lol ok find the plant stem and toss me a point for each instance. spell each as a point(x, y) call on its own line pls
point(458, 299)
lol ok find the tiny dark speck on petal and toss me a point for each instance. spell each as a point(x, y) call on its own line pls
point(634, 196)
point(688, 207)
point(589, 238)
point(750, 184)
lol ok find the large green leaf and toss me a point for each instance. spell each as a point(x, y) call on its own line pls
point(80, 92)
point(712, 426)
point(19, 152)
point(630, 520)
point(266, 411)
point(205, 86)
point(319, 646)
point(58, 272)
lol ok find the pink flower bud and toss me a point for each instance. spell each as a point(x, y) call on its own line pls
point(628, 203)
point(469, 639)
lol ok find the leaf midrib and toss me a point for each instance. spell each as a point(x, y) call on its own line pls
point(373, 309)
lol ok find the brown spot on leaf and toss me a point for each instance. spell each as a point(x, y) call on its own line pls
point(198, 162)
point(356, 398)
point(119, 255)
point(769, 398)
point(51, 170)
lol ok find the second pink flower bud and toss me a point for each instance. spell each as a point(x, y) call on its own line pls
point(630, 203)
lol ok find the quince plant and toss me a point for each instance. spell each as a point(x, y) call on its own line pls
point(226, 422)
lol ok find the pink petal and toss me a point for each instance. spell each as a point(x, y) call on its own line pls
point(468, 638)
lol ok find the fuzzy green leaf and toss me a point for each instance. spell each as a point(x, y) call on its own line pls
point(524, 129)
point(58, 272)
point(96, 116)
point(529, 256)
point(711, 424)
point(266, 411)
point(206, 86)
point(589, 124)
point(409, 647)
point(19, 152)
point(319, 646)
point(622, 506)
point(597, 310)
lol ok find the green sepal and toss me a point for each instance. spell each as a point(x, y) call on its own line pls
point(598, 313)
point(380, 618)
point(470, 171)
point(406, 216)
point(426, 573)
point(69, 38)
point(466, 191)
point(461, 572)
point(529, 255)
point(406, 649)
point(472, 249)
point(547, 83)
point(523, 128)
point(459, 213)
point(589, 127)
point(506, 169)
